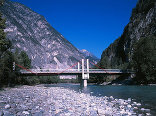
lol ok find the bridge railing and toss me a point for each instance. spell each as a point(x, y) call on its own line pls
point(111, 70)
point(49, 70)
point(75, 70)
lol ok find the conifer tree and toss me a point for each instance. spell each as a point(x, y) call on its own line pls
point(4, 43)
point(6, 57)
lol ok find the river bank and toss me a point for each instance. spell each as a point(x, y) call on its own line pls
point(50, 101)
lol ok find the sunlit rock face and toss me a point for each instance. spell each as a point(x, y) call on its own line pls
point(30, 32)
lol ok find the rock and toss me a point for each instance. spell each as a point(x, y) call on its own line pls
point(2, 101)
point(67, 114)
point(138, 104)
point(6, 113)
point(148, 114)
point(38, 113)
point(129, 113)
point(68, 103)
point(129, 99)
point(111, 97)
point(1, 113)
point(25, 113)
point(7, 106)
point(143, 109)
point(101, 112)
point(129, 106)
point(13, 105)
point(55, 47)
point(37, 107)
point(135, 108)
point(93, 113)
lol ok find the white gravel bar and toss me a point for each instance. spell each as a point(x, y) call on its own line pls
point(58, 101)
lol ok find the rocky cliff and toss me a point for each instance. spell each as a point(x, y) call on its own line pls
point(29, 31)
point(142, 24)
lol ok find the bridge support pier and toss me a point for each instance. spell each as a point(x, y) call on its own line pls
point(85, 76)
point(84, 82)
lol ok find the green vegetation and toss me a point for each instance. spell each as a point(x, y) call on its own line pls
point(21, 58)
point(144, 60)
point(143, 6)
point(8, 77)
point(6, 57)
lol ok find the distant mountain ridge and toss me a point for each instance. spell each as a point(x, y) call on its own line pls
point(89, 55)
point(29, 31)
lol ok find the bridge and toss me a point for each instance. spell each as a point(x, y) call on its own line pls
point(70, 71)
point(47, 72)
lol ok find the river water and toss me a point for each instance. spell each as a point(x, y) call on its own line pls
point(146, 95)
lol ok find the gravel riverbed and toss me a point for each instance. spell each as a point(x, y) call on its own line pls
point(58, 101)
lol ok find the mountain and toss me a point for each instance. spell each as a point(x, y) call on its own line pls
point(29, 31)
point(142, 24)
point(90, 56)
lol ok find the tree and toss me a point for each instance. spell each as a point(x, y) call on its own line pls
point(5, 56)
point(7, 75)
point(21, 58)
point(4, 43)
point(144, 59)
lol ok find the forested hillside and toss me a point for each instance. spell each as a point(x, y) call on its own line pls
point(135, 48)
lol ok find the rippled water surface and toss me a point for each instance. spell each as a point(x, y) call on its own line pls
point(146, 95)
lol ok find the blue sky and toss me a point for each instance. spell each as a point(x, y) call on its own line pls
point(88, 24)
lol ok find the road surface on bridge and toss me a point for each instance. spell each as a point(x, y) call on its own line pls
point(73, 71)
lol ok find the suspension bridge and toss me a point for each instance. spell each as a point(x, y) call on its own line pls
point(76, 69)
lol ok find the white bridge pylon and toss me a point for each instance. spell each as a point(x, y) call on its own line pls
point(85, 76)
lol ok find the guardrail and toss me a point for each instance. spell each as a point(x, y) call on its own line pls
point(76, 71)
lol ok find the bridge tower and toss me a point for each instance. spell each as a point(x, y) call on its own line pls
point(78, 66)
point(85, 73)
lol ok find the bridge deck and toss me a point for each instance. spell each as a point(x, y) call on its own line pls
point(73, 71)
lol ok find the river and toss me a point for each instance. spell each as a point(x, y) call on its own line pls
point(146, 95)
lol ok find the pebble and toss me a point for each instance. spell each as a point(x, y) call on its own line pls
point(143, 109)
point(148, 114)
point(25, 112)
point(138, 104)
point(111, 97)
point(129, 106)
point(6, 113)
point(129, 99)
point(1, 113)
point(7, 106)
point(59, 101)
point(38, 113)
point(135, 108)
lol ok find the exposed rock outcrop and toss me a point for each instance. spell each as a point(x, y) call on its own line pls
point(29, 31)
